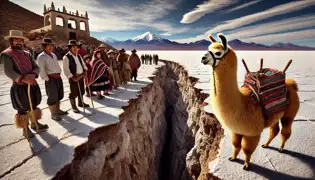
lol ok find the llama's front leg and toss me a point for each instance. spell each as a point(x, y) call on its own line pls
point(249, 144)
point(236, 141)
point(273, 132)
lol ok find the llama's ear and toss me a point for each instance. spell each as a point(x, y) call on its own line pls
point(223, 40)
point(212, 38)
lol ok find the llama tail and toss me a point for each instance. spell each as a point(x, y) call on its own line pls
point(291, 83)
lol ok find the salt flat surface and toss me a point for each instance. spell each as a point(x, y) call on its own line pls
point(298, 160)
point(49, 151)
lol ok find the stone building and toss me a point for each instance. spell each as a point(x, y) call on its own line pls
point(71, 25)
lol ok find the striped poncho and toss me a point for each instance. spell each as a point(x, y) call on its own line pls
point(98, 68)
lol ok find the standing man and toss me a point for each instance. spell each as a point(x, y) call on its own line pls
point(115, 66)
point(50, 72)
point(156, 59)
point(20, 67)
point(75, 69)
point(150, 59)
point(135, 64)
point(82, 51)
point(142, 59)
point(125, 69)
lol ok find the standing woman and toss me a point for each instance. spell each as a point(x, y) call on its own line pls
point(99, 78)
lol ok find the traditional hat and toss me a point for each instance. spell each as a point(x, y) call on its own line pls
point(72, 43)
point(82, 42)
point(86, 56)
point(122, 50)
point(47, 41)
point(134, 50)
point(102, 46)
point(16, 34)
point(111, 51)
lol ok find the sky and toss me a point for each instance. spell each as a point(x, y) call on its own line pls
point(259, 21)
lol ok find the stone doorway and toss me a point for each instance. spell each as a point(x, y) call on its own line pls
point(72, 35)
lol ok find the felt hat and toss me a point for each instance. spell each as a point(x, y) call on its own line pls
point(82, 42)
point(72, 43)
point(47, 41)
point(102, 46)
point(111, 51)
point(134, 50)
point(122, 50)
point(86, 56)
point(16, 34)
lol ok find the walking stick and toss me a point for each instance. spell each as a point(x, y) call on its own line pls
point(31, 106)
point(81, 97)
point(90, 93)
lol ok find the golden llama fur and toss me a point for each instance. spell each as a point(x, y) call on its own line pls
point(234, 108)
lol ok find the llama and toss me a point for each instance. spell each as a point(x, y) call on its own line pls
point(234, 108)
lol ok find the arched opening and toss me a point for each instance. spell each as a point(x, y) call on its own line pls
point(72, 24)
point(82, 26)
point(47, 20)
point(60, 21)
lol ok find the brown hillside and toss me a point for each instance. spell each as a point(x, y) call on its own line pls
point(13, 16)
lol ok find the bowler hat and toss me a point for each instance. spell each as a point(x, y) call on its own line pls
point(47, 41)
point(122, 50)
point(72, 43)
point(134, 50)
point(111, 51)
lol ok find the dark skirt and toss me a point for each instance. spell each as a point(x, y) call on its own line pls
point(54, 91)
point(102, 83)
point(19, 97)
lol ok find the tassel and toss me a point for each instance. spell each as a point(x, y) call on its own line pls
point(21, 120)
point(37, 114)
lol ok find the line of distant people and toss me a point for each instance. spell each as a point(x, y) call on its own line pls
point(148, 58)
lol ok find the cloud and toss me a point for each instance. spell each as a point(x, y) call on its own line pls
point(278, 10)
point(243, 6)
point(296, 23)
point(116, 16)
point(166, 34)
point(245, 20)
point(205, 8)
point(284, 37)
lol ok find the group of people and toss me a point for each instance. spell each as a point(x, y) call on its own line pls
point(147, 59)
point(99, 73)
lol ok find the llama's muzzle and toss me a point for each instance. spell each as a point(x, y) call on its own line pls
point(204, 60)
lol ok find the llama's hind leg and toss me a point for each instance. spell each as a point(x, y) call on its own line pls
point(285, 131)
point(273, 132)
point(236, 141)
point(249, 144)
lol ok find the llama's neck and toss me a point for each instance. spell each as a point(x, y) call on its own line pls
point(225, 93)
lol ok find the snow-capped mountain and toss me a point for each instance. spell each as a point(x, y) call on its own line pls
point(148, 36)
point(150, 41)
point(109, 40)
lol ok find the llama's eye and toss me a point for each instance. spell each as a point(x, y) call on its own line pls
point(218, 53)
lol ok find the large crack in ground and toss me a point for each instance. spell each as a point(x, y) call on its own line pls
point(163, 134)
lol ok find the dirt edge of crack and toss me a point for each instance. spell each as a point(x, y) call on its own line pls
point(134, 148)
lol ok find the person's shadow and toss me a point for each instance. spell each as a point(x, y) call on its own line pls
point(271, 174)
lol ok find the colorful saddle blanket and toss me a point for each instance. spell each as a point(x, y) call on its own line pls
point(268, 89)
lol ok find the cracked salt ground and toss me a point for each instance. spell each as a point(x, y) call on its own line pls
point(49, 151)
point(298, 160)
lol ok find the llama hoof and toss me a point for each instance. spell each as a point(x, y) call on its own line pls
point(280, 150)
point(232, 159)
point(264, 146)
point(246, 167)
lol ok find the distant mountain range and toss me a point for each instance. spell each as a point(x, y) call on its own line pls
point(150, 41)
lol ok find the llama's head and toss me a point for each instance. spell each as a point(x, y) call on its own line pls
point(217, 52)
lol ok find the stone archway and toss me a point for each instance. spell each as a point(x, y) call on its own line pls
point(47, 20)
point(60, 21)
point(83, 26)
